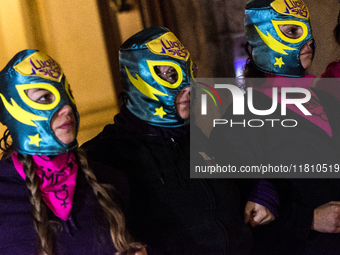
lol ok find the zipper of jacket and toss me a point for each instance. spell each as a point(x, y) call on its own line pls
point(212, 199)
point(181, 180)
point(213, 214)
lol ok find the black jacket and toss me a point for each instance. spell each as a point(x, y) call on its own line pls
point(170, 212)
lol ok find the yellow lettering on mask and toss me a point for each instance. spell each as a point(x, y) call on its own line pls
point(143, 87)
point(42, 65)
point(273, 43)
point(20, 114)
point(168, 45)
point(296, 8)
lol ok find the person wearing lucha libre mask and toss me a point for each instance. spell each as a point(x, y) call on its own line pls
point(281, 48)
point(45, 180)
point(170, 212)
point(280, 36)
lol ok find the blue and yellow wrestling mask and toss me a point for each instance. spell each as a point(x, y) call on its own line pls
point(151, 92)
point(28, 121)
point(273, 52)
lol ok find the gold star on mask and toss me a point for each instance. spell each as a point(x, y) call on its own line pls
point(160, 112)
point(279, 62)
point(35, 139)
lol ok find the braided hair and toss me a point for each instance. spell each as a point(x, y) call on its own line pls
point(45, 228)
point(38, 207)
point(119, 235)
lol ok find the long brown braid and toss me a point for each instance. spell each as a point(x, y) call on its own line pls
point(39, 209)
point(120, 236)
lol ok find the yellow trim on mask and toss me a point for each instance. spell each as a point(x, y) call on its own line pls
point(191, 72)
point(143, 87)
point(273, 43)
point(21, 90)
point(165, 83)
point(276, 24)
point(20, 114)
point(67, 88)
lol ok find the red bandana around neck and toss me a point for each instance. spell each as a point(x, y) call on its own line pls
point(57, 177)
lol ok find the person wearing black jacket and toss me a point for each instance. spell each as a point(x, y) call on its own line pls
point(309, 214)
point(150, 142)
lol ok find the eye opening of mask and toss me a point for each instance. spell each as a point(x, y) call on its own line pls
point(40, 96)
point(167, 77)
point(291, 31)
point(167, 73)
